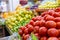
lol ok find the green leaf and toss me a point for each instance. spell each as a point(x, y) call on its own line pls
point(33, 37)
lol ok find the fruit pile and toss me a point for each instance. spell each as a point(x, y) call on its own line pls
point(48, 5)
point(19, 18)
point(45, 27)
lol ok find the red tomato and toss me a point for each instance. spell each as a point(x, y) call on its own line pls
point(42, 23)
point(46, 16)
point(59, 31)
point(22, 28)
point(53, 32)
point(37, 23)
point(59, 38)
point(58, 25)
point(50, 24)
point(42, 31)
point(53, 38)
point(20, 32)
point(43, 38)
point(26, 31)
point(57, 9)
point(36, 29)
point(51, 12)
point(49, 18)
point(32, 22)
point(30, 28)
point(26, 37)
point(56, 14)
point(44, 13)
point(37, 35)
point(57, 19)
point(38, 18)
point(34, 19)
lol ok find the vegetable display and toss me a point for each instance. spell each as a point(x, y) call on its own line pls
point(44, 27)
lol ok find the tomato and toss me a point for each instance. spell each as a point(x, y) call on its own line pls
point(37, 35)
point(59, 31)
point(32, 22)
point(57, 19)
point(50, 24)
point(53, 32)
point(58, 25)
point(36, 29)
point(53, 38)
point(30, 28)
point(42, 31)
point(38, 18)
point(46, 16)
point(37, 23)
point(57, 9)
point(43, 38)
point(34, 19)
point(59, 38)
point(42, 23)
point(56, 14)
point(26, 31)
point(44, 13)
point(26, 36)
point(22, 28)
point(49, 18)
point(51, 12)
point(20, 32)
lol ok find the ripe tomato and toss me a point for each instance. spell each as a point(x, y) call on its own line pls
point(34, 19)
point(53, 38)
point(44, 13)
point(26, 36)
point(43, 38)
point(30, 28)
point(53, 32)
point(49, 18)
point(58, 25)
point(59, 32)
point(42, 31)
point(36, 29)
point(37, 23)
point(51, 12)
point(20, 32)
point(26, 31)
point(38, 18)
point(32, 22)
point(57, 19)
point(50, 24)
point(42, 23)
point(22, 28)
point(56, 14)
point(37, 35)
point(57, 9)
point(59, 38)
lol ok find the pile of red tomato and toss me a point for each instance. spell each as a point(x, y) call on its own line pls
point(45, 27)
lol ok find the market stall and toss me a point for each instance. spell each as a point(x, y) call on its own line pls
point(31, 20)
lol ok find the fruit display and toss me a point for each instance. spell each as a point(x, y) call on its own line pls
point(18, 18)
point(48, 5)
point(44, 27)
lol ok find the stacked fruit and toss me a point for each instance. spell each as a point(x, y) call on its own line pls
point(48, 5)
point(45, 27)
point(19, 18)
